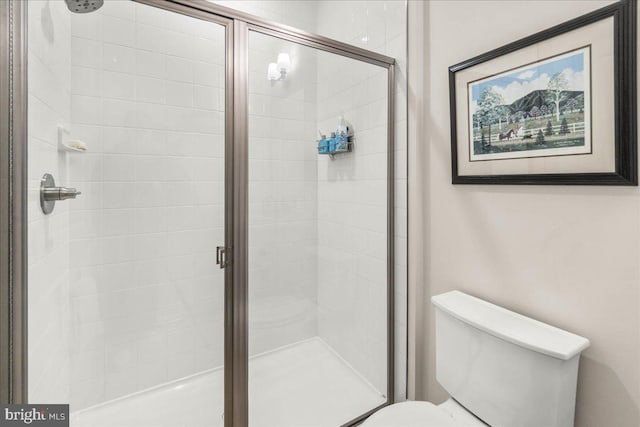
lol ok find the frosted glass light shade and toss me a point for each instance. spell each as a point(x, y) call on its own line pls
point(284, 62)
point(272, 72)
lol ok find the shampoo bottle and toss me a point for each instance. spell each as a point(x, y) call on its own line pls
point(342, 132)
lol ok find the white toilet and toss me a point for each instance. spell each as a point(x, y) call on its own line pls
point(501, 369)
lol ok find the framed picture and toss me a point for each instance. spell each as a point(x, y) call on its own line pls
point(557, 107)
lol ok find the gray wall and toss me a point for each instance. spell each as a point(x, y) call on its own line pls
point(568, 256)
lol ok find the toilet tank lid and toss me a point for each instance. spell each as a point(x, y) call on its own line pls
point(513, 327)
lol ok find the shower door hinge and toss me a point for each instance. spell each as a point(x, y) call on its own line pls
point(222, 256)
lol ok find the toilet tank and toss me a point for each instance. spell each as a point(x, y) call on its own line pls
point(507, 369)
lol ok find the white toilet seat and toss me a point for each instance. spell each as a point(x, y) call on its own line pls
point(423, 414)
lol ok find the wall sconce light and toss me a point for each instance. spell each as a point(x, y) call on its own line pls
point(272, 73)
point(279, 70)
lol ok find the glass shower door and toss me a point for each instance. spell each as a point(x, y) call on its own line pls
point(130, 105)
point(317, 235)
point(126, 304)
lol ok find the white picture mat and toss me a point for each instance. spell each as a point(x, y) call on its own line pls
point(602, 159)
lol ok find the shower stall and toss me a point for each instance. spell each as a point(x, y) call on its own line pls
point(201, 217)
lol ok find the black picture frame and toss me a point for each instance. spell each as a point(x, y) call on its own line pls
point(626, 157)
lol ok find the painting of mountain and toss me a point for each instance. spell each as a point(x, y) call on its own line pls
point(539, 109)
point(538, 98)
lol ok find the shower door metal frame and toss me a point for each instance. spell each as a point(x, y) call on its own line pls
point(13, 202)
point(13, 192)
point(244, 24)
point(328, 45)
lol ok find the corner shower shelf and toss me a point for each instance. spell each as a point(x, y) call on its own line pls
point(332, 154)
point(66, 144)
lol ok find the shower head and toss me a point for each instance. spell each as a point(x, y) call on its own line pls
point(84, 6)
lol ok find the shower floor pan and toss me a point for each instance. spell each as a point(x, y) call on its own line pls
point(302, 384)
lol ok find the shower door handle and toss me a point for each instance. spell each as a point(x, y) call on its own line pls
point(221, 256)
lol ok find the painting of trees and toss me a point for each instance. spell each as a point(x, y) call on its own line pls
point(519, 116)
point(544, 110)
point(571, 105)
point(540, 137)
point(551, 108)
point(556, 91)
point(549, 130)
point(488, 112)
point(504, 113)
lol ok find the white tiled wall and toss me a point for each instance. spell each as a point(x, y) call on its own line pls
point(381, 26)
point(48, 246)
point(298, 14)
point(148, 100)
point(282, 197)
point(352, 217)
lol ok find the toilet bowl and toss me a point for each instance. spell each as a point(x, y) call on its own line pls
point(424, 414)
point(499, 367)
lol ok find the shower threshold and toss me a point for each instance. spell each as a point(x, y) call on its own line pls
point(319, 387)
